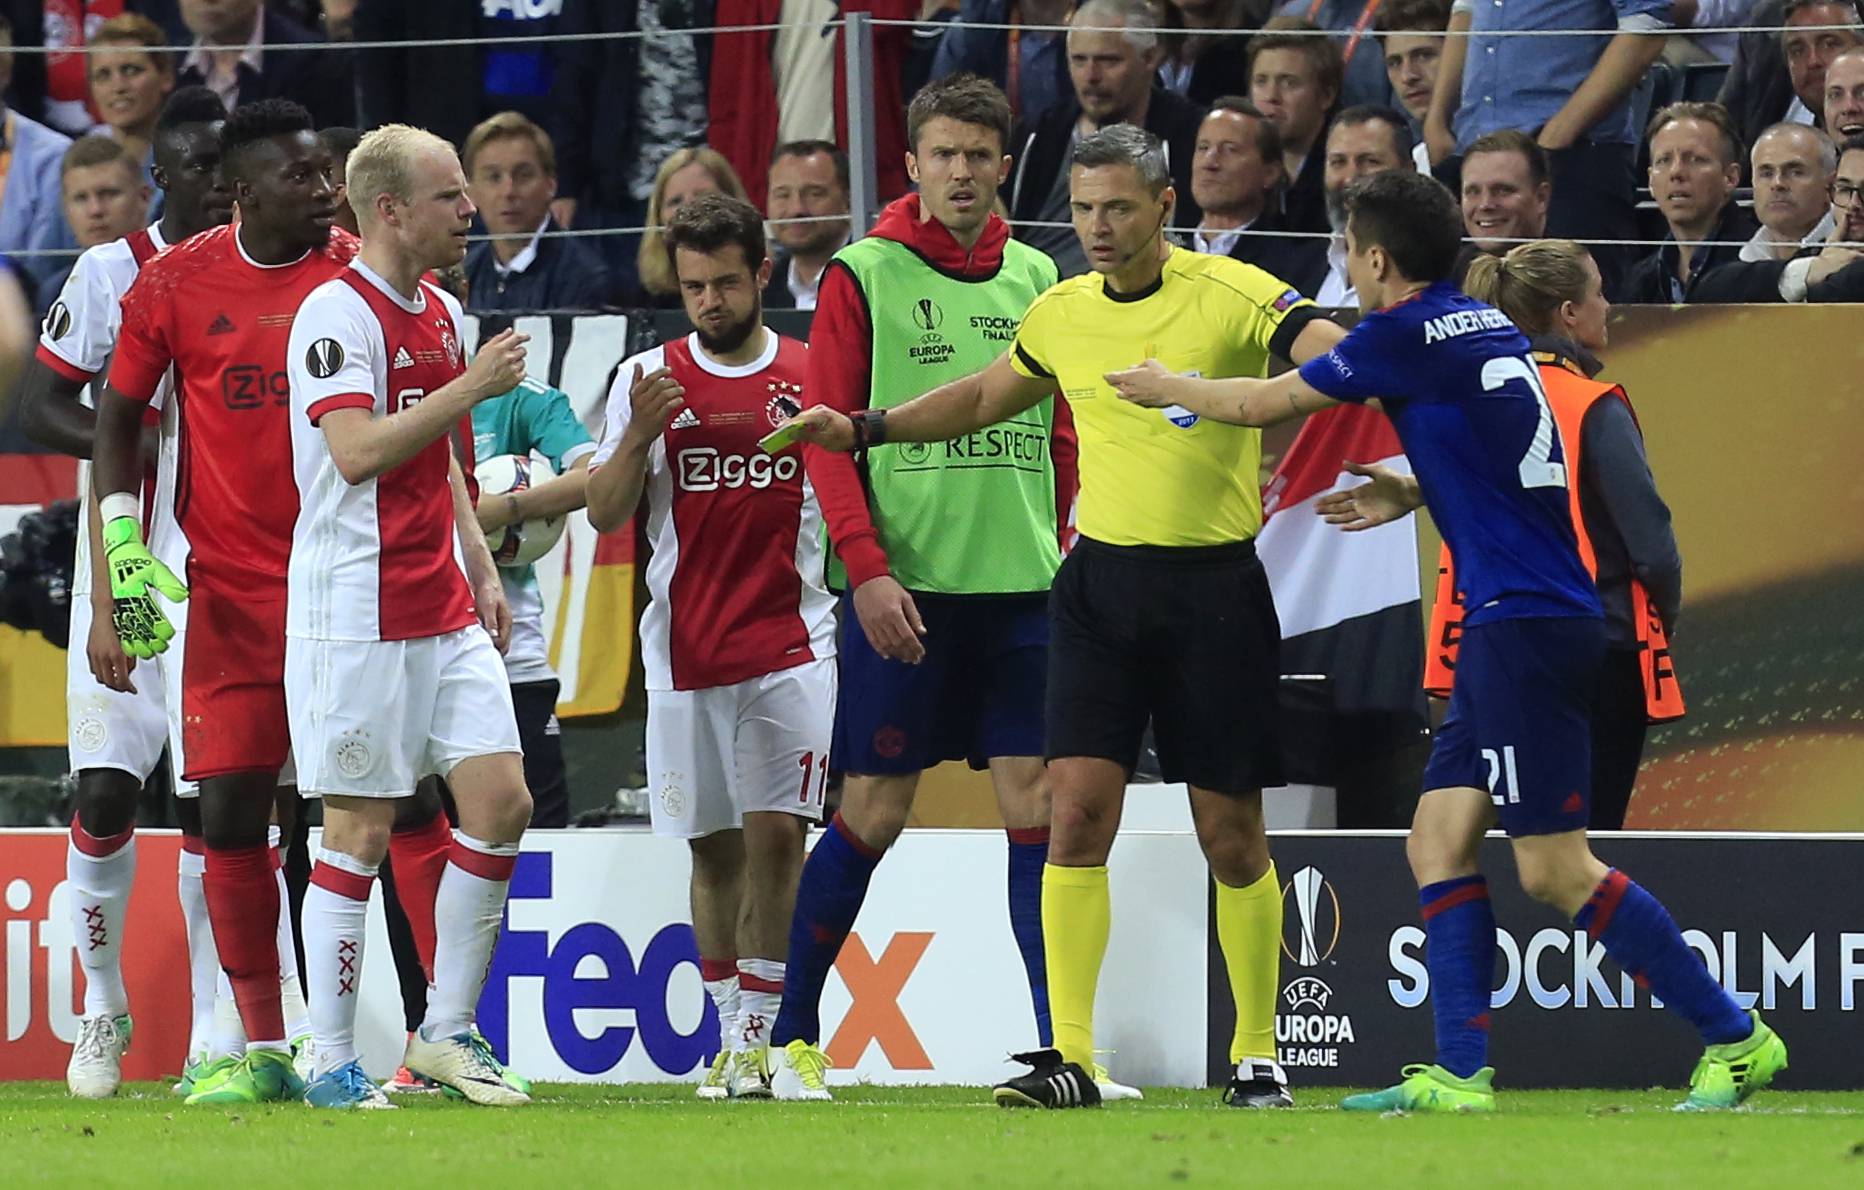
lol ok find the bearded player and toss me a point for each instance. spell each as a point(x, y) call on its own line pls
point(739, 639)
point(218, 310)
point(119, 725)
point(390, 673)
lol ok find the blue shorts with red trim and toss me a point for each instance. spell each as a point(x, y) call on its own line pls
point(978, 694)
point(1520, 721)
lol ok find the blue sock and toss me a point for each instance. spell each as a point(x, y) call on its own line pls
point(1459, 927)
point(1028, 853)
point(834, 883)
point(1641, 937)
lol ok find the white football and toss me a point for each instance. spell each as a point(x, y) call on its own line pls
point(527, 541)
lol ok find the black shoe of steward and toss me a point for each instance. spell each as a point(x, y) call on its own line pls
point(1050, 1082)
point(1258, 1082)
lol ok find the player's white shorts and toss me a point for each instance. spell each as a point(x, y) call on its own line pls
point(371, 718)
point(105, 728)
point(714, 755)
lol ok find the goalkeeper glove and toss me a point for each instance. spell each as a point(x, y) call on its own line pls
point(140, 624)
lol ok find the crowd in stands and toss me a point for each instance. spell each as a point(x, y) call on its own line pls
point(1725, 165)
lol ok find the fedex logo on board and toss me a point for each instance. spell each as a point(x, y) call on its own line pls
point(603, 994)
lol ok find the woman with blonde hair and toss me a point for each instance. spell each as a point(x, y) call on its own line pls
point(683, 176)
point(1552, 291)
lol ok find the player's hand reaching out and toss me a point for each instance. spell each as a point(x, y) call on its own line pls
point(1388, 497)
point(824, 427)
point(655, 398)
point(499, 364)
point(1147, 384)
point(890, 619)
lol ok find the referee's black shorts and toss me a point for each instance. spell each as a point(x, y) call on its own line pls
point(1185, 637)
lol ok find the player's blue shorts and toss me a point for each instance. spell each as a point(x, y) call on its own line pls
point(1520, 721)
point(978, 693)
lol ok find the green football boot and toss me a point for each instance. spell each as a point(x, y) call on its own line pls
point(1430, 1089)
point(198, 1070)
point(261, 1076)
point(1728, 1074)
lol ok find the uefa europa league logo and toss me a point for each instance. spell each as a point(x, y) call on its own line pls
point(1317, 916)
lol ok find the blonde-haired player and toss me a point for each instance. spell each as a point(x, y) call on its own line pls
point(391, 670)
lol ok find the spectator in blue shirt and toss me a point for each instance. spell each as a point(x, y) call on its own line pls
point(105, 198)
point(31, 205)
point(1572, 93)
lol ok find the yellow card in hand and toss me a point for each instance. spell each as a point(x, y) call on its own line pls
point(781, 438)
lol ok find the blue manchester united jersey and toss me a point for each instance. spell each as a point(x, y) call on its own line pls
point(1455, 377)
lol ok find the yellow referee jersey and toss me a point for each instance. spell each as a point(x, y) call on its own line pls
point(1162, 476)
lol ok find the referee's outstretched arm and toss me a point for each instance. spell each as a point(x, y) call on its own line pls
point(1240, 400)
point(997, 393)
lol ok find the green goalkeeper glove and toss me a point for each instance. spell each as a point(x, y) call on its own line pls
point(140, 624)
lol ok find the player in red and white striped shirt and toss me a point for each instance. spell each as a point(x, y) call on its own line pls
point(390, 671)
point(739, 640)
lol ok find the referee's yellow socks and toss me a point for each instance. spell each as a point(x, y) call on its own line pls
point(1076, 915)
point(1249, 925)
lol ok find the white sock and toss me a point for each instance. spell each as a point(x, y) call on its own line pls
point(761, 981)
point(725, 998)
point(336, 916)
point(290, 982)
point(100, 883)
point(467, 910)
point(203, 958)
point(228, 1036)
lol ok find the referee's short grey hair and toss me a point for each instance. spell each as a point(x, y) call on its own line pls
point(1138, 19)
point(1125, 144)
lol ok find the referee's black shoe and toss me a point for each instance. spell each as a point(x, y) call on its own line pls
point(1050, 1083)
point(1258, 1082)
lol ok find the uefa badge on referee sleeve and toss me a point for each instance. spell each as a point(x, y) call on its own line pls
point(1178, 415)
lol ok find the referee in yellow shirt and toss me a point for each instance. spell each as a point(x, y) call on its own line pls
point(1162, 612)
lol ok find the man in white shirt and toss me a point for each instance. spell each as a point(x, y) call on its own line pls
point(1794, 166)
point(1236, 169)
point(808, 181)
point(229, 57)
point(1363, 141)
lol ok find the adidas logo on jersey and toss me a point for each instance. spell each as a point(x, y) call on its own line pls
point(402, 358)
point(220, 326)
point(687, 420)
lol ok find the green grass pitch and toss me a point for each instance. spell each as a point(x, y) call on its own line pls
point(657, 1137)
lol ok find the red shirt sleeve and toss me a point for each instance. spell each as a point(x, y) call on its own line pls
point(1065, 451)
point(143, 351)
point(840, 355)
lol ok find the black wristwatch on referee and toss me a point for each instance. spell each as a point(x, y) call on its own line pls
point(870, 428)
